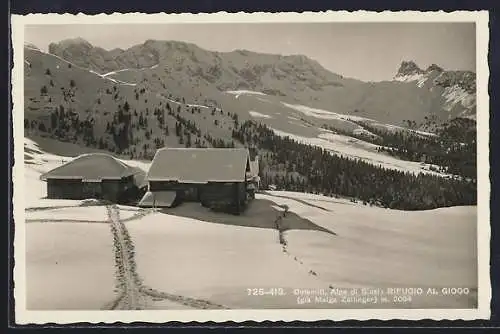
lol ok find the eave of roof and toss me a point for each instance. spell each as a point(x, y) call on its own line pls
point(195, 182)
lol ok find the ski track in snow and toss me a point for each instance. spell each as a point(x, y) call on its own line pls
point(126, 270)
point(134, 295)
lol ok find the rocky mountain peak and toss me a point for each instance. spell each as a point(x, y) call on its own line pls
point(408, 68)
point(434, 67)
point(77, 41)
point(77, 44)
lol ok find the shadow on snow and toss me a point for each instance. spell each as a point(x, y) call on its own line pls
point(259, 213)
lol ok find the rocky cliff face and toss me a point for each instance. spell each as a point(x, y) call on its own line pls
point(457, 88)
point(409, 71)
point(408, 68)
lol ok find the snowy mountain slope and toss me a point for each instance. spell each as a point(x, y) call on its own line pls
point(217, 261)
point(95, 97)
point(302, 132)
point(92, 100)
point(70, 64)
point(65, 85)
point(188, 71)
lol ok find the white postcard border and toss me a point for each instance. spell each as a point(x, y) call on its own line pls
point(24, 316)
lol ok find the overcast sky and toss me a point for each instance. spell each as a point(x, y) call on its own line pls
point(366, 51)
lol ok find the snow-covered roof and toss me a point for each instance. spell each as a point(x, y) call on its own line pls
point(199, 165)
point(93, 166)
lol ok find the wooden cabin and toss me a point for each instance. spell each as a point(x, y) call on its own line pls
point(215, 177)
point(95, 175)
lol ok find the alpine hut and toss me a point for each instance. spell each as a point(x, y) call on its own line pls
point(94, 175)
point(215, 177)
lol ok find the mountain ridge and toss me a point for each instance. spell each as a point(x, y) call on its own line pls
point(293, 94)
point(406, 67)
point(410, 71)
point(226, 70)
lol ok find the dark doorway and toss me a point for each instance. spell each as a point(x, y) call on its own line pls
point(191, 194)
point(92, 190)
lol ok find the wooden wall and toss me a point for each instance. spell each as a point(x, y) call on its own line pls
point(210, 194)
point(64, 189)
point(185, 191)
point(76, 189)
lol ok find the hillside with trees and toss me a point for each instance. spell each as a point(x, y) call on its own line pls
point(69, 103)
point(297, 167)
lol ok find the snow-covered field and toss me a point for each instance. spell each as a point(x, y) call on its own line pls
point(214, 261)
point(69, 266)
point(70, 263)
point(382, 248)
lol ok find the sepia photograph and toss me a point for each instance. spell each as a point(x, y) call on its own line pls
point(251, 166)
